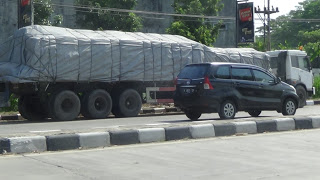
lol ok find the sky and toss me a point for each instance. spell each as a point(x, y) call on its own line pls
point(285, 6)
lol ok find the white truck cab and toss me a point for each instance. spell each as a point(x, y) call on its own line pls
point(294, 68)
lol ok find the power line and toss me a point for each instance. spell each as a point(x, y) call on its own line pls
point(143, 12)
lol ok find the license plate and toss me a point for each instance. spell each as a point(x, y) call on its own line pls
point(188, 91)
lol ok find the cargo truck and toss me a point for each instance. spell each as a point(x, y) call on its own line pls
point(60, 73)
point(294, 68)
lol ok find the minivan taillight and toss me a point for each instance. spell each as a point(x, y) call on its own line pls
point(207, 84)
point(175, 81)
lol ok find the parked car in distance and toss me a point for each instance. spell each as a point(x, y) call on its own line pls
point(227, 88)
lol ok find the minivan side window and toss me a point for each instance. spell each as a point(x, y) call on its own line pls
point(262, 77)
point(223, 72)
point(241, 74)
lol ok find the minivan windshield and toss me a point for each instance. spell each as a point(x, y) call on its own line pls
point(193, 71)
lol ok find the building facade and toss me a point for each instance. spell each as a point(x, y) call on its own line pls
point(8, 18)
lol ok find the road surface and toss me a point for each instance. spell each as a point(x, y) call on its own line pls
point(23, 128)
point(282, 155)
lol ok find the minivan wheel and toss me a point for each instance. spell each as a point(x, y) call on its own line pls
point(193, 115)
point(254, 113)
point(227, 110)
point(289, 107)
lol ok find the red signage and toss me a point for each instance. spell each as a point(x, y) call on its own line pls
point(25, 2)
point(245, 14)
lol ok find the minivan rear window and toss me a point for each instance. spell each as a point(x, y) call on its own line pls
point(193, 71)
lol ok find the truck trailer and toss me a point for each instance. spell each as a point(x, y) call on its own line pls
point(60, 73)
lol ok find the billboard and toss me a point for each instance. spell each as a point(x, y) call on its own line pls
point(25, 13)
point(245, 22)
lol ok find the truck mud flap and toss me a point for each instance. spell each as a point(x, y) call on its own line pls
point(4, 95)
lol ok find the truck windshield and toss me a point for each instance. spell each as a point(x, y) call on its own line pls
point(193, 71)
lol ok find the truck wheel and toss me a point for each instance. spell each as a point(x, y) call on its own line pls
point(289, 107)
point(128, 105)
point(227, 110)
point(254, 113)
point(302, 96)
point(64, 105)
point(22, 107)
point(96, 104)
point(193, 115)
point(31, 109)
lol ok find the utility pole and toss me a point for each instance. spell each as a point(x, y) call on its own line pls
point(268, 12)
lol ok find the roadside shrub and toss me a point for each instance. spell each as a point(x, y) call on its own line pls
point(13, 105)
point(316, 84)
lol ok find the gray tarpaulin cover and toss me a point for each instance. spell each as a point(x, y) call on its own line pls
point(54, 54)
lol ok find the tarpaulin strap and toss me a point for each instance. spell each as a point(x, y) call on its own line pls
point(192, 53)
point(54, 75)
point(111, 60)
point(78, 78)
point(152, 61)
point(161, 62)
point(79, 51)
point(144, 61)
point(90, 60)
point(120, 60)
point(172, 60)
point(180, 58)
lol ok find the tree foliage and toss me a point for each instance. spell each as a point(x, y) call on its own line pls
point(197, 29)
point(97, 18)
point(298, 28)
point(43, 11)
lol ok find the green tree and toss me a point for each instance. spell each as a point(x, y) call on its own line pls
point(43, 11)
point(292, 32)
point(96, 17)
point(198, 29)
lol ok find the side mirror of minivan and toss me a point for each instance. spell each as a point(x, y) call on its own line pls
point(278, 80)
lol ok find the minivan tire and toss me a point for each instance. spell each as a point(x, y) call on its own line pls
point(289, 107)
point(254, 113)
point(227, 110)
point(193, 115)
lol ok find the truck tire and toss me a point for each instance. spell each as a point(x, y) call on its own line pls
point(128, 104)
point(64, 105)
point(96, 104)
point(31, 109)
point(289, 107)
point(301, 91)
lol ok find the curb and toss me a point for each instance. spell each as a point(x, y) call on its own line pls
point(36, 144)
point(312, 102)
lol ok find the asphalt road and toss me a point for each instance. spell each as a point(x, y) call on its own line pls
point(282, 155)
point(26, 128)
